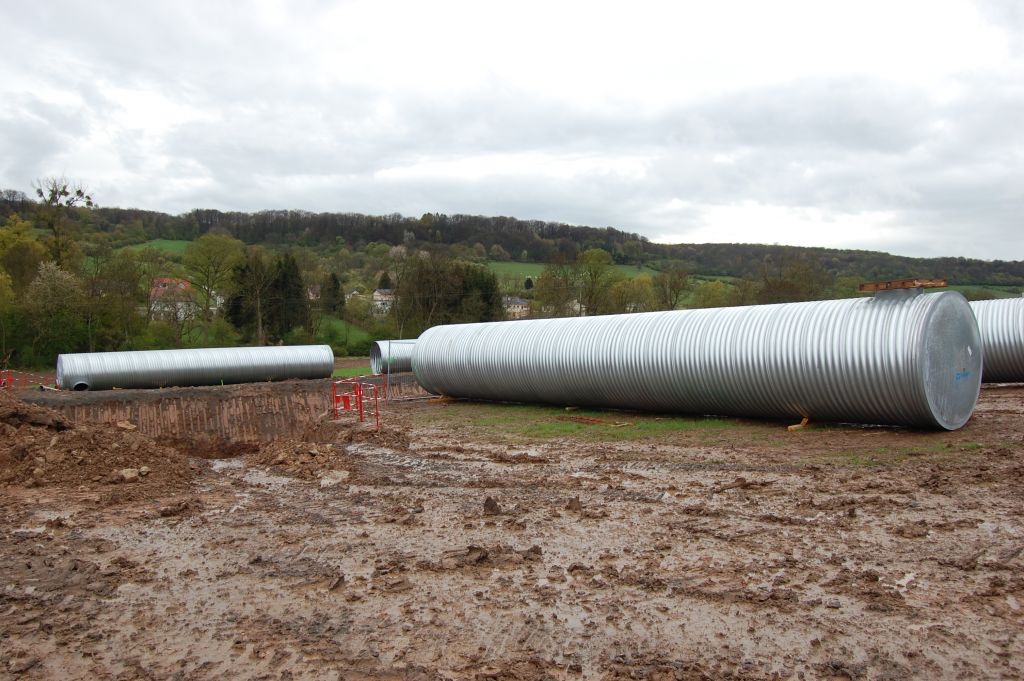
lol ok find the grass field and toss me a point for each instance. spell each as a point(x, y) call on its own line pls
point(350, 332)
point(349, 372)
point(175, 246)
point(996, 291)
point(519, 422)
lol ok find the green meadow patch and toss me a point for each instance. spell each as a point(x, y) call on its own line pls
point(538, 422)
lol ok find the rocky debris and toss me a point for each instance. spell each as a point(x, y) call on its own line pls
point(499, 556)
point(299, 458)
point(533, 553)
point(741, 483)
point(175, 509)
point(491, 507)
point(395, 439)
point(914, 530)
point(38, 448)
point(15, 412)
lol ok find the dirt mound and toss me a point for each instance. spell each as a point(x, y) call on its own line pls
point(38, 447)
point(318, 449)
point(302, 459)
point(329, 430)
point(321, 448)
point(386, 436)
point(15, 412)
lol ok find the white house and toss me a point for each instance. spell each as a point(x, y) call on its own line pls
point(383, 299)
point(516, 308)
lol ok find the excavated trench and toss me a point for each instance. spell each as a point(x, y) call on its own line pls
point(239, 413)
point(252, 412)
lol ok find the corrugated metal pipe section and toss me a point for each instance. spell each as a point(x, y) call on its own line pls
point(901, 358)
point(208, 366)
point(1001, 323)
point(391, 356)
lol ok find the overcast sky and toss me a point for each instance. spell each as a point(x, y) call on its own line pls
point(893, 125)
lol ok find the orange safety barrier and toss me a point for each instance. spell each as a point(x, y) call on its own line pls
point(11, 379)
point(356, 399)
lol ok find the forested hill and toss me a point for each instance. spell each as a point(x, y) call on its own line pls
point(507, 238)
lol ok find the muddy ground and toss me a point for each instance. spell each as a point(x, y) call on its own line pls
point(476, 541)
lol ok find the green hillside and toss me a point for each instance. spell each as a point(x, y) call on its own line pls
point(174, 246)
point(522, 270)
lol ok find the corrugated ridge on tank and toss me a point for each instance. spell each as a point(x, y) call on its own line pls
point(391, 356)
point(1001, 323)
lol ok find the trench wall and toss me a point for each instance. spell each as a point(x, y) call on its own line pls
point(246, 413)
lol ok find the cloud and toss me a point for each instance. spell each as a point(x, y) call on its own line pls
point(869, 126)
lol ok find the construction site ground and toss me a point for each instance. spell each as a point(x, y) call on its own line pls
point(488, 541)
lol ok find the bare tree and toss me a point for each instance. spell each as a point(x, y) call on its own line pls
point(59, 196)
point(15, 196)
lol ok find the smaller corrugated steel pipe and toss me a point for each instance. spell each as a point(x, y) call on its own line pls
point(391, 356)
point(1001, 323)
point(205, 366)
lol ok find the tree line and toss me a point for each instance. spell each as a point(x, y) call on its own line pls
point(591, 285)
point(508, 238)
point(68, 286)
point(74, 278)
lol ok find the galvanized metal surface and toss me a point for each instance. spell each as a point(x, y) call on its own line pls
point(391, 356)
point(1001, 323)
point(901, 357)
point(209, 366)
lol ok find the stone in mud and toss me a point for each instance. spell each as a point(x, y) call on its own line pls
point(491, 507)
point(476, 554)
point(21, 666)
point(128, 474)
point(173, 509)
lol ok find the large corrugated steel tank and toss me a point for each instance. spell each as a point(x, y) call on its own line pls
point(391, 356)
point(901, 358)
point(1001, 323)
point(207, 366)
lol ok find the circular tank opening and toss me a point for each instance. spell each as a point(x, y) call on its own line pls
point(81, 385)
point(376, 360)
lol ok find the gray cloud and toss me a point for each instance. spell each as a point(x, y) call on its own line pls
point(265, 125)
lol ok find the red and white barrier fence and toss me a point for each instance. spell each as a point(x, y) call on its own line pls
point(355, 395)
point(21, 380)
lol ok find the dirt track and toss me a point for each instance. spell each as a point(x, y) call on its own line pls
point(471, 541)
